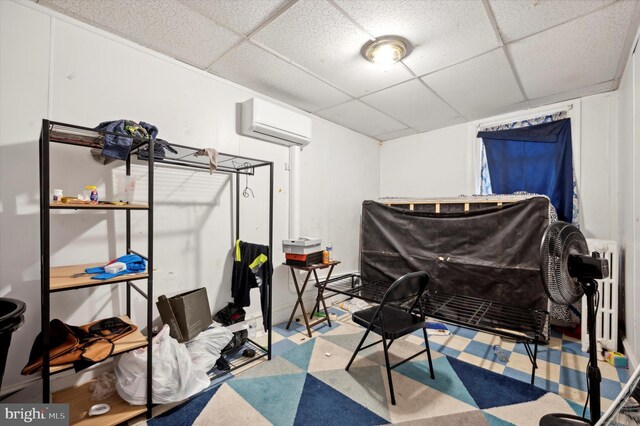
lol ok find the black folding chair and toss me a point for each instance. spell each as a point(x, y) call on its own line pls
point(392, 322)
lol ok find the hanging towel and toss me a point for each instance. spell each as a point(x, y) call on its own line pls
point(251, 268)
point(135, 264)
point(213, 158)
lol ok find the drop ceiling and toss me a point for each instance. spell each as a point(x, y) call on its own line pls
point(469, 59)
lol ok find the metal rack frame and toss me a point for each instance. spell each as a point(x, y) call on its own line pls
point(57, 132)
point(525, 325)
point(64, 133)
point(238, 165)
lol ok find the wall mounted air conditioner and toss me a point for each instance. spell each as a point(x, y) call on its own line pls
point(273, 123)
point(607, 317)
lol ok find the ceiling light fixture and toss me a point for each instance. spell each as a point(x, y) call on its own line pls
point(385, 50)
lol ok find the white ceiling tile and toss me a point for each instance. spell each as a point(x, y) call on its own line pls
point(396, 135)
point(361, 118)
point(318, 37)
point(162, 25)
point(443, 32)
point(573, 94)
point(520, 18)
point(479, 87)
point(243, 16)
point(264, 72)
point(415, 105)
point(579, 53)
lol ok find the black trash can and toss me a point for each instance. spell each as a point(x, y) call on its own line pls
point(11, 318)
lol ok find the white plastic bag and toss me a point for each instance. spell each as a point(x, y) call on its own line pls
point(205, 349)
point(174, 376)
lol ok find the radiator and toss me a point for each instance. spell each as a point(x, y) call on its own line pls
point(607, 317)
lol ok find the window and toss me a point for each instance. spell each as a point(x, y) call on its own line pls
point(532, 156)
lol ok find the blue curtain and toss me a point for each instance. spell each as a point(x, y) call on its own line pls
point(535, 159)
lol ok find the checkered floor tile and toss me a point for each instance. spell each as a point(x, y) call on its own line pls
point(561, 363)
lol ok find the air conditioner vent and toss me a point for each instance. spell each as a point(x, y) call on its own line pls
point(273, 123)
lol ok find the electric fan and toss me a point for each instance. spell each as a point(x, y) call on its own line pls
point(568, 273)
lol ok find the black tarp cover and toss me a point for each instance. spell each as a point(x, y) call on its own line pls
point(490, 253)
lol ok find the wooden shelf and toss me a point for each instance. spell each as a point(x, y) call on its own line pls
point(79, 400)
point(67, 206)
point(129, 342)
point(61, 277)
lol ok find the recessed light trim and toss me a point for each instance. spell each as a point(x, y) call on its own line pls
point(385, 50)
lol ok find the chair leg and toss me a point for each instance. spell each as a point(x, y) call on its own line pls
point(386, 358)
point(426, 342)
point(358, 348)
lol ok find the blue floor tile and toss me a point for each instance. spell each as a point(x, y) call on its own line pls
point(517, 374)
point(483, 350)
point(299, 327)
point(445, 350)
point(323, 327)
point(553, 356)
point(609, 388)
point(281, 347)
point(544, 353)
point(462, 331)
point(547, 385)
point(573, 348)
point(574, 378)
point(339, 312)
point(623, 375)
point(578, 408)
point(295, 328)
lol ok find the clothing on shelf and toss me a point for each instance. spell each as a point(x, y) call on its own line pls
point(135, 264)
point(212, 153)
point(120, 146)
point(159, 148)
point(82, 345)
point(251, 268)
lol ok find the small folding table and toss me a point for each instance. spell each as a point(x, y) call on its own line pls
point(319, 298)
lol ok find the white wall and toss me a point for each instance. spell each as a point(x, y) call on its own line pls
point(629, 204)
point(53, 67)
point(432, 164)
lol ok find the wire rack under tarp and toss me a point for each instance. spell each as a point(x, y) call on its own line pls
point(353, 285)
point(518, 323)
point(511, 321)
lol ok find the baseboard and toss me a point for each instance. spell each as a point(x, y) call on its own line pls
point(8, 390)
point(631, 356)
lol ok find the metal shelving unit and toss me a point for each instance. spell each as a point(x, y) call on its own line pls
point(59, 279)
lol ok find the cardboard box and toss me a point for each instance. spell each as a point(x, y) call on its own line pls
point(187, 314)
point(303, 259)
point(303, 245)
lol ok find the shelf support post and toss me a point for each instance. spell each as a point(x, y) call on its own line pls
point(150, 282)
point(270, 254)
point(44, 258)
point(128, 213)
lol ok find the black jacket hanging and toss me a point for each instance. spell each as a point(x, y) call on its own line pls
point(251, 268)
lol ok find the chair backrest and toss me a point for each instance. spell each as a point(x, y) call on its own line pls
point(408, 286)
